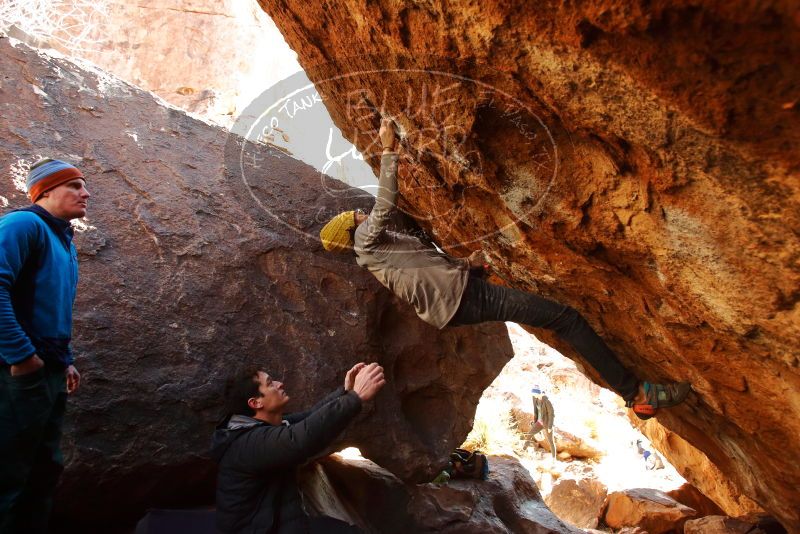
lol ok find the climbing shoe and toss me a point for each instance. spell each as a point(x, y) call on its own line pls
point(660, 396)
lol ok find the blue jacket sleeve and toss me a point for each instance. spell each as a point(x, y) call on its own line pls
point(70, 356)
point(19, 235)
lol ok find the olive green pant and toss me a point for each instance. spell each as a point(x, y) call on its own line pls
point(31, 416)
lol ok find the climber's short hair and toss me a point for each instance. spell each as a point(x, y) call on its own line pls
point(240, 388)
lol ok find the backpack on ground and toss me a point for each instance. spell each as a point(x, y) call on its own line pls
point(468, 464)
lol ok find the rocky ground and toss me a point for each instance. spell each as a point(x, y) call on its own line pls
point(602, 457)
point(594, 437)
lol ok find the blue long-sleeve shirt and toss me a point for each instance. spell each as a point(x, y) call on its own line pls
point(38, 281)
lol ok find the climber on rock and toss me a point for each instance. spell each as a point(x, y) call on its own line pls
point(258, 449)
point(443, 293)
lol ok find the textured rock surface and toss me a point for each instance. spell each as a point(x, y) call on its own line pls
point(695, 499)
point(573, 445)
point(697, 467)
point(658, 195)
point(716, 524)
point(186, 272)
point(198, 55)
point(580, 502)
point(650, 510)
point(507, 503)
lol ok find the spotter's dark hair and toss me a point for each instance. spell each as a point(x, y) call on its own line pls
point(240, 388)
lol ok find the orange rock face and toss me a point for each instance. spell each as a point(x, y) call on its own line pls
point(696, 466)
point(636, 160)
point(580, 502)
point(716, 524)
point(690, 496)
point(651, 510)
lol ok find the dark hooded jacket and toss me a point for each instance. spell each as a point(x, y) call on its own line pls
point(256, 486)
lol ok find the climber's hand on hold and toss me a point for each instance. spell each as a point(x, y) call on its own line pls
point(477, 260)
point(369, 381)
point(387, 136)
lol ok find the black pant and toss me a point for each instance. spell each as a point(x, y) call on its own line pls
point(316, 525)
point(483, 302)
point(31, 416)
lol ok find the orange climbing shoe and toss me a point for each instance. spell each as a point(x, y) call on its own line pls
point(660, 396)
point(644, 411)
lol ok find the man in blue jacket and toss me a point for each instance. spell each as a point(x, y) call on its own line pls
point(38, 279)
point(258, 450)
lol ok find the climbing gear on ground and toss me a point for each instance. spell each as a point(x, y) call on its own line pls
point(659, 396)
point(336, 236)
point(442, 478)
point(467, 464)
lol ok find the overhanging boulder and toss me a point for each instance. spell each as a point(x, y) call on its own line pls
point(636, 160)
point(188, 273)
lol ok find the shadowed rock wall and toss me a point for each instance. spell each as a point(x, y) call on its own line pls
point(636, 160)
point(361, 493)
point(188, 273)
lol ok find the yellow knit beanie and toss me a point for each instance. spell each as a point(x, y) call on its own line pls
point(335, 235)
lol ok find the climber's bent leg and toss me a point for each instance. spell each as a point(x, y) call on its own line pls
point(483, 302)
